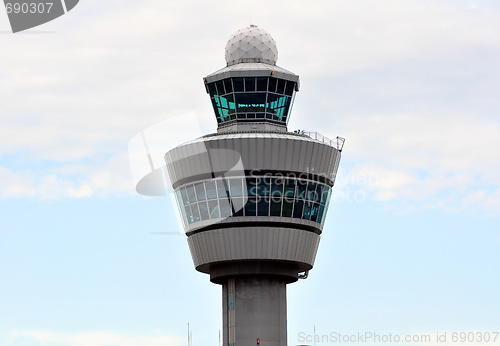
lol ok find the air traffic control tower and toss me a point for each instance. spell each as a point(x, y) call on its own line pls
point(253, 196)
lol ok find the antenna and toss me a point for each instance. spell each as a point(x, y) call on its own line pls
point(314, 335)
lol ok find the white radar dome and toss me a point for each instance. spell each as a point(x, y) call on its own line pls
point(251, 44)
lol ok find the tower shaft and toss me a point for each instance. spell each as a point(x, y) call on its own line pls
point(254, 307)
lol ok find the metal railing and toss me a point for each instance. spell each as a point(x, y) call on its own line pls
point(336, 143)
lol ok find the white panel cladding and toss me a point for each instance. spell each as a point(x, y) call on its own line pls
point(258, 152)
point(253, 243)
point(275, 153)
point(288, 153)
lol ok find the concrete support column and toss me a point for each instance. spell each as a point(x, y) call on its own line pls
point(254, 307)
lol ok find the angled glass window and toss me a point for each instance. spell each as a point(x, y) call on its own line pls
point(319, 192)
point(211, 190)
point(203, 210)
point(200, 191)
point(238, 84)
point(321, 213)
point(225, 207)
point(213, 209)
point(275, 206)
point(287, 207)
point(184, 195)
point(224, 106)
point(220, 87)
point(289, 191)
point(272, 84)
point(314, 212)
point(278, 105)
point(306, 214)
point(196, 212)
point(301, 189)
point(250, 102)
point(263, 206)
point(311, 191)
point(261, 83)
point(251, 207)
point(212, 90)
point(251, 187)
point(191, 194)
point(263, 186)
point(189, 215)
point(249, 84)
point(253, 196)
point(222, 188)
point(228, 86)
point(237, 206)
point(236, 189)
point(281, 86)
point(324, 195)
point(277, 187)
point(290, 87)
point(297, 208)
point(329, 195)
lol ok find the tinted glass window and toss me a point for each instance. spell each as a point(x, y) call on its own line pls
point(191, 194)
point(211, 89)
point(301, 190)
point(287, 207)
point(281, 86)
point(249, 84)
point(220, 87)
point(200, 191)
point(196, 212)
point(311, 191)
point(184, 195)
point(251, 102)
point(221, 188)
point(251, 187)
point(203, 210)
point(263, 206)
point(228, 86)
point(210, 188)
point(236, 187)
point(290, 86)
point(225, 207)
point(297, 208)
point(277, 187)
point(213, 209)
point(272, 84)
point(251, 207)
point(306, 214)
point(237, 206)
point(263, 186)
point(262, 83)
point(314, 212)
point(238, 84)
point(275, 206)
point(319, 192)
point(289, 191)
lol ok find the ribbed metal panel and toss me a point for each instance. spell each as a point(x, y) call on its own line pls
point(260, 152)
point(253, 243)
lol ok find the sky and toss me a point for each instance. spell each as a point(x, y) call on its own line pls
point(410, 244)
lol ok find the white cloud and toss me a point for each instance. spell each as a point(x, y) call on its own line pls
point(72, 100)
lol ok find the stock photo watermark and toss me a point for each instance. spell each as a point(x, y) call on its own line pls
point(469, 337)
point(27, 14)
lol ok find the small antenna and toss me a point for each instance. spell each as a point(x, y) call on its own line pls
point(314, 335)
